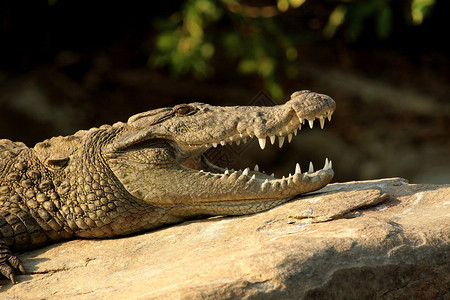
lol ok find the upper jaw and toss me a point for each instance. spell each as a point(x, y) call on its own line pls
point(293, 120)
point(285, 130)
point(282, 121)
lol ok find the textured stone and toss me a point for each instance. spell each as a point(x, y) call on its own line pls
point(360, 240)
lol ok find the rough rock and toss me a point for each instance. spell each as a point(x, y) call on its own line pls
point(382, 239)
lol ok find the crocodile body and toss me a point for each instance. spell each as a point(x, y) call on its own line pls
point(150, 171)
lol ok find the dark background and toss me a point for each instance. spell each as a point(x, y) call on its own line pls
point(67, 65)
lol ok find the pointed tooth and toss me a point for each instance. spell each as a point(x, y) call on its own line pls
point(231, 138)
point(322, 122)
point(238, 142)
point(201, 171)
point(282, 178)
point(311, 123)
point(297, 169)
point(289, 175)
point(330, 165)
point(262, 142)
point(246, 171)
point(265, 183)
point(214, 145)
point(232, 170)
point(280, 133)
point(281, 141)
point(272, 139)
point(289, 137)
point(241, 135)
point(245, 140)
point(329, 118)
point(300, 126)
point(325, 167)
point(206, 145)
point(226, 172)
point(311, 167)
point(301, 121)
point(273, 175)
point(295, 131)
point(256, 169)
point(286, 127)
point(253, 176)
point(222, 143)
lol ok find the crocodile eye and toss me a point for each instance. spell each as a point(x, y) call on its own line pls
point(185, 110)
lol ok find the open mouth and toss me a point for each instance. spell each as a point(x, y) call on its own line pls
point(255, 177)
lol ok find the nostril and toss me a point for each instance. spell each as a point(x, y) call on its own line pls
point(298, 93)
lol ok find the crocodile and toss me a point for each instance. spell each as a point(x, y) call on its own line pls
point(151, 171)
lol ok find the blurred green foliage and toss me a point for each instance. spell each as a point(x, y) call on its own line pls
point(421, 9)
point(182, 43)
point(355, 15)
point(201, 33)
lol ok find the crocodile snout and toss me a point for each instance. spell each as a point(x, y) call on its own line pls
point(310, 105)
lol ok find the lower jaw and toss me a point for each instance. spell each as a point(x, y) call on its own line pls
point(229, 188)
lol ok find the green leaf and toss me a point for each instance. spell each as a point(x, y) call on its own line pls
point(384, 22)
point(420, 9)
point(335, 20)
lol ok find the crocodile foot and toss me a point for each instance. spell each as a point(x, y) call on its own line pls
point(9, 263)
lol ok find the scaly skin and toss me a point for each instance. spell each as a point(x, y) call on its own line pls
point(130, 177)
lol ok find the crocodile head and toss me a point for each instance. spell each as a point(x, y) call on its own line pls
point(158, 155)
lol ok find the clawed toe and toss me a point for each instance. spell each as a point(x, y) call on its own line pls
point(9, 263)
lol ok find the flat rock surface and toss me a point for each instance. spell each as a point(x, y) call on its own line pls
point(357, 240)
